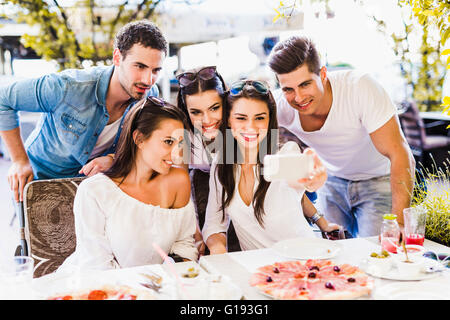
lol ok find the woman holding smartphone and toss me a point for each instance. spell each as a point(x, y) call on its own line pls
point(262, 212)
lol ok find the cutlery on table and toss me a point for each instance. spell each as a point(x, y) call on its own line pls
point(152, 276)
point(154, 280)
point(151, 285)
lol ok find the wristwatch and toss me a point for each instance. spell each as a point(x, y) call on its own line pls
point(316, 216)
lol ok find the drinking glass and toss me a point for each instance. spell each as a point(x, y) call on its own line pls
point(197, 288)
point(16, 275)
point(415, 220)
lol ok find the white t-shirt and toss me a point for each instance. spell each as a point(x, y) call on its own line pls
point(105, 139)
point(283, 217)
point(115, 230)
point(360, 106)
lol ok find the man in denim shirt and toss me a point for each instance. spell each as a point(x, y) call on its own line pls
point(82, 110)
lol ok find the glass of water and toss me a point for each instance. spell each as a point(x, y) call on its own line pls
point(16, 275)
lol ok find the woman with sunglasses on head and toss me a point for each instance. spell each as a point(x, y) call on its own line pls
point(201, 97)
point(262, 212)
point(119, 214)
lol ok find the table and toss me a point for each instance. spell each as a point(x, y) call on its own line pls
point(434, 115)
point(57, 283)
point(436, 123)
point(240, 265)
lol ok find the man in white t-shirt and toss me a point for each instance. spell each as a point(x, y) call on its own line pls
point(349, 119)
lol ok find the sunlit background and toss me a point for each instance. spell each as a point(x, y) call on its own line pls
point(348, 37)
point(236, 36)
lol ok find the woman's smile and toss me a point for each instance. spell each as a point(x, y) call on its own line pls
point(168, 163)
point(210, 127)
point(250, 136)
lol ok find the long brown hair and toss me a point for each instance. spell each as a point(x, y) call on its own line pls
point(199, 85)
point(226, 170)
point(144, 117)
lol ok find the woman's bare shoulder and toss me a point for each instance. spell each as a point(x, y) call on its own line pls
point(179, 184)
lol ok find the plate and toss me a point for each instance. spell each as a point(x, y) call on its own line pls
point(226, 290)
point(209, 287)
point(362, 297)
point(412, 291)
point(307, 248)
point(61, 282)
point(394, 274)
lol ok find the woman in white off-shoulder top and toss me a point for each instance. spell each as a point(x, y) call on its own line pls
point(121, 213)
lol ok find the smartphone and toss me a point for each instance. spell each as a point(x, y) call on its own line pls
point(290, 167)
point(336, 235)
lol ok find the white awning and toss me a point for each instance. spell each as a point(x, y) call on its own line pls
point(17, 29)
point(213, 20)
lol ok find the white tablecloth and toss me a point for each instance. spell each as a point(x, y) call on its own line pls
point(60, 283)
point(240, 265)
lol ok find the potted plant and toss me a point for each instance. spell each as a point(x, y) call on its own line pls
point(433, 192)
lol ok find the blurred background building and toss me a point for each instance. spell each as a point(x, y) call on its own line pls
point(238, 35)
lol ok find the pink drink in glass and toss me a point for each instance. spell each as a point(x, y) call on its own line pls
point(415, 238)
point(415, 223)
point(389, 244)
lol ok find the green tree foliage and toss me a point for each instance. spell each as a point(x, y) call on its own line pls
point(437, 13)
point(82, 32)
point(426, 76)
point(286, 8)
point(432, 12)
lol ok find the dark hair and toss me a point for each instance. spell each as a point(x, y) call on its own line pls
point(292, 53)
point(199, 85)
point(145, 117)
point(225, 170)
point(143, 32)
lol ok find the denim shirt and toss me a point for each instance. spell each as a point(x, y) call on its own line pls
point(73, 107)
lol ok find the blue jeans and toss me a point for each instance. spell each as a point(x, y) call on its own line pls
point(358, 206)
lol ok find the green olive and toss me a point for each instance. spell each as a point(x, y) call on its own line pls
point(385, 253)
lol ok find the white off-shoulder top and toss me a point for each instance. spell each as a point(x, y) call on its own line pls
point(115, 230)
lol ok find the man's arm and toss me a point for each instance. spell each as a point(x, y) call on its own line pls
point(20, 172)
point(99, 164)
point(390, 142)
point(33, 95)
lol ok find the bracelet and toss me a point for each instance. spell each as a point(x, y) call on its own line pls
point(316, 216)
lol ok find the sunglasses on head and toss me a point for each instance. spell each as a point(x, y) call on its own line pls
point(237, 87)
point(155, 100)
point(187, 78)
point(159, 102)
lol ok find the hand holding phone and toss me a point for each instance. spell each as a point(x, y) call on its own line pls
point(336, 235)
point(288, 166)
point(318, 176)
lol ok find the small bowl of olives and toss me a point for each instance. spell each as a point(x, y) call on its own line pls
point(380, 263)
